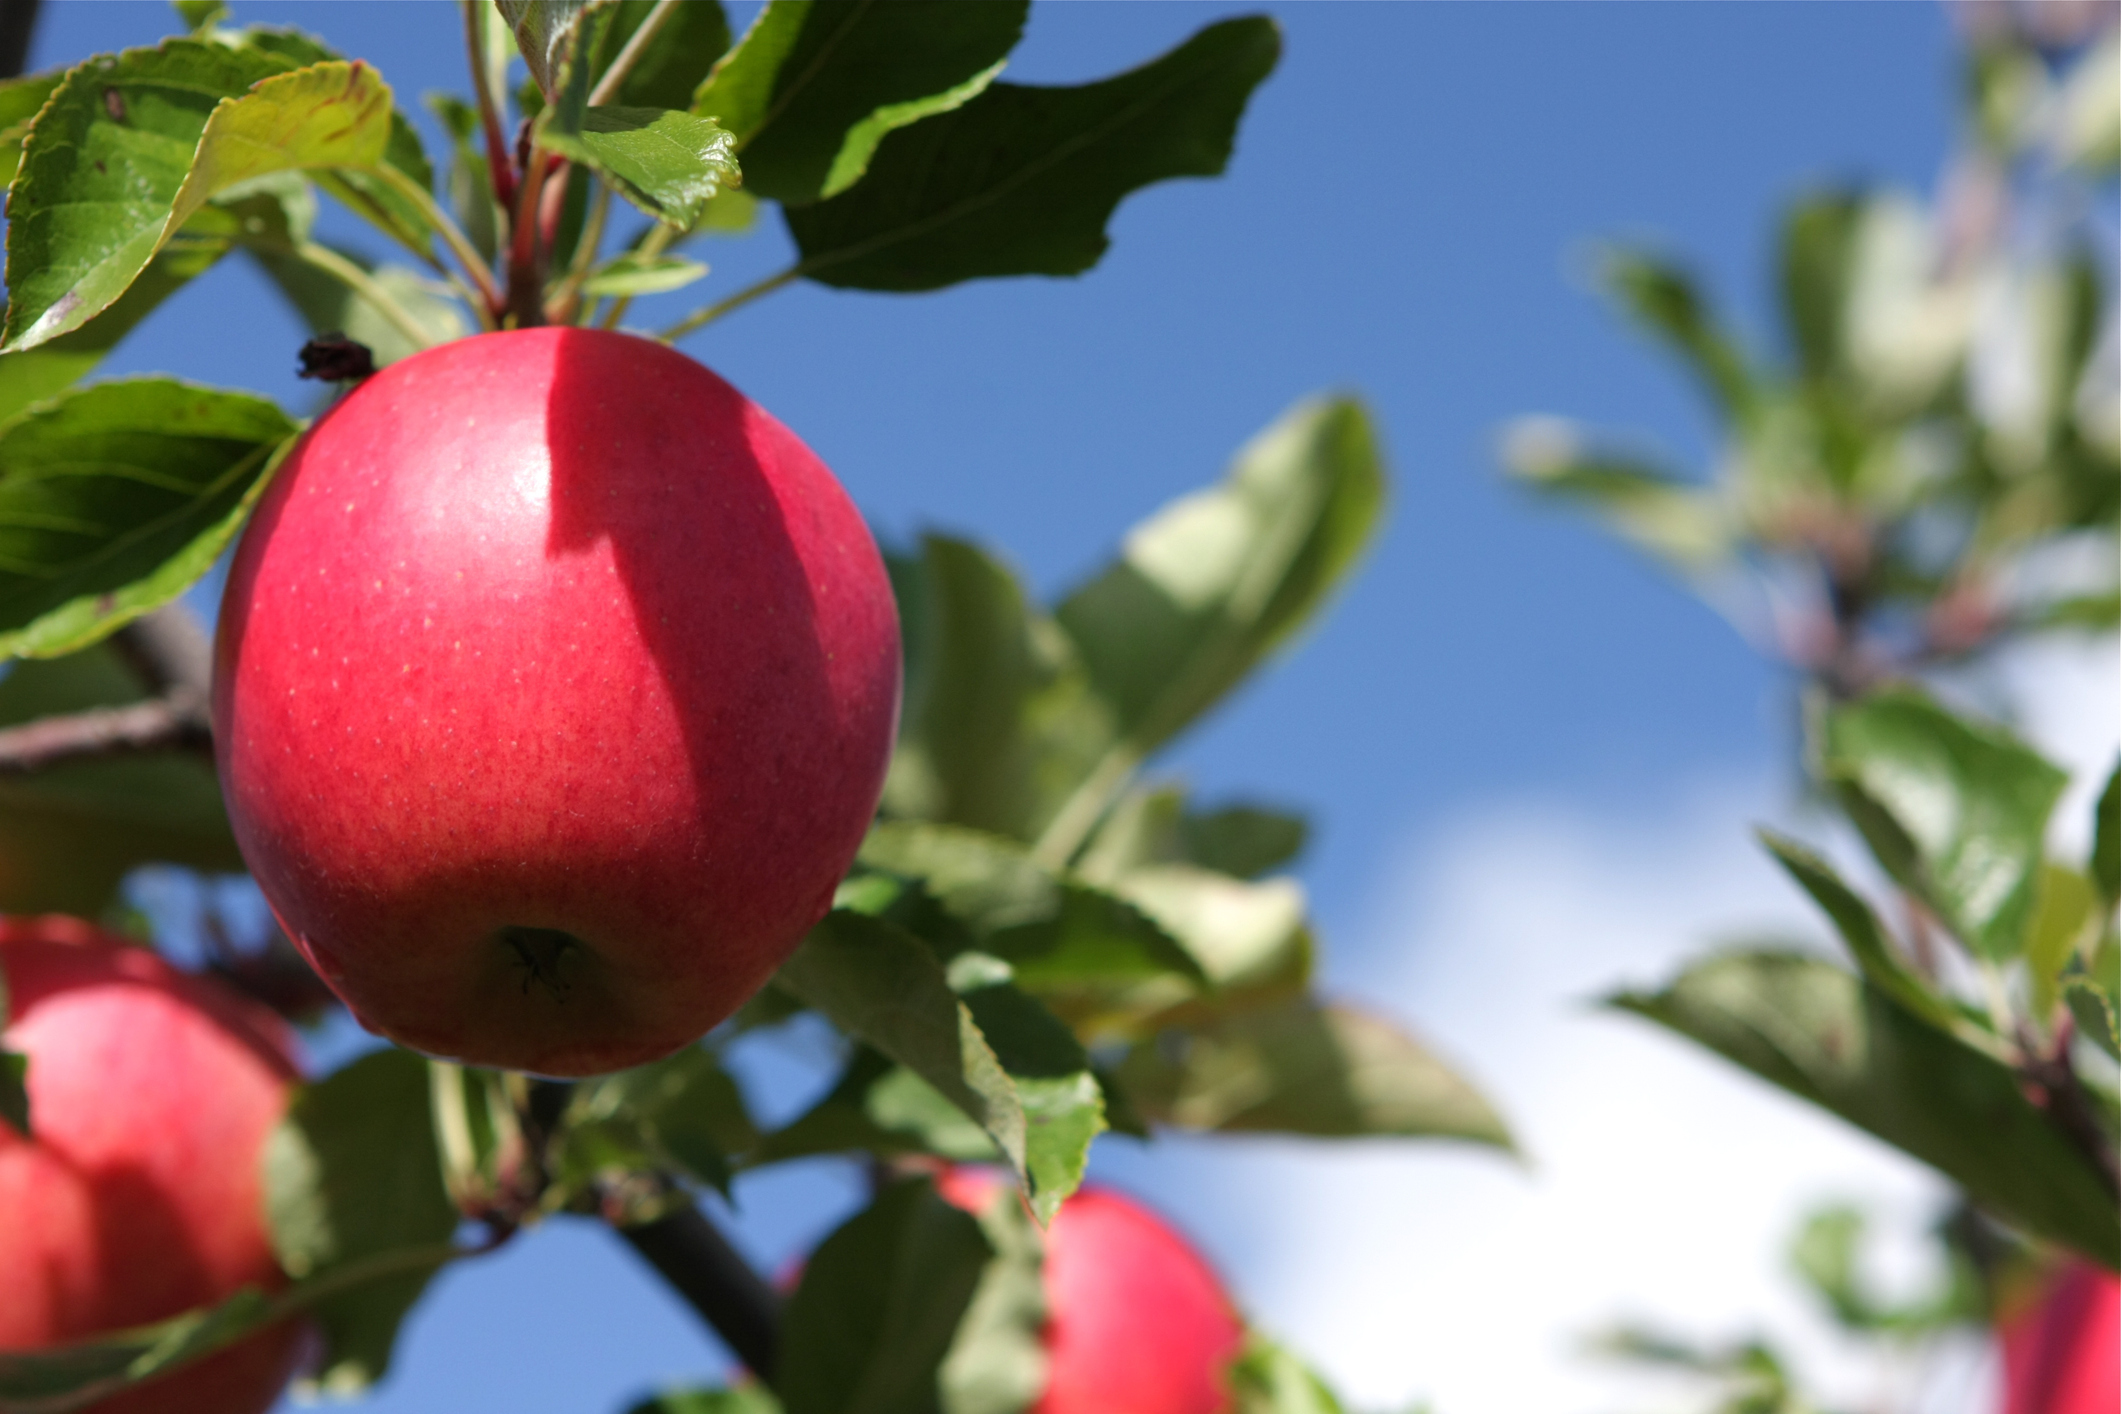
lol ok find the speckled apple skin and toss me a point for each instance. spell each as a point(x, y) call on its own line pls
point(1137, 1322)
point(137, 1198)
point(552, 629)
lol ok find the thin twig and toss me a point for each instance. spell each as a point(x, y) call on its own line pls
point(175, 721)
point(608, 86)
point(701, 318)
point(566, 301)
point(525, 285)
point(452, 235)
point(168, 649)
point(714, 1279)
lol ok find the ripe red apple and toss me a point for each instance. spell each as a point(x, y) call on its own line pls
point(1136, 1321)
point(554, 689)
point(2063, 1354)
point(137, 1198)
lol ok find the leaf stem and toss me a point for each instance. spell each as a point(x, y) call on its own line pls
point(608, 86)
point(364, 284)
point(500, 163)
point(566, 301)
point(699, 319)
point(1079, 814)
point(452, 235)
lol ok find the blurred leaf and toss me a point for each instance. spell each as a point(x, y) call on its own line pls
point(1269, 1379)
point(676, 60)
point(1244, 840)
point(1663, 301)
point(1830, 1038)
point(1251, 940)
point(1211, 584)
point(843, 74)
point(879, 1305)
point(1682, 525)
point(2089, 108)
point(884, 1109)
point(479, 1138)
point(2093, 1009)
point(1304, 1067)
point(70, 833)
point(74, 1376)
point(199, 15)
point(1817, 258)
point(994, 1052)
point(1151, 826)
point(683, 1116)
point(2106, 840)
point(999, 725)
point(633, 274)
point(100, 175)
point(1957, 812)
point(1020, 181)
point(997, 1363)
point(116, 497)
point(352, 1172)
point(470, 183)
point(327, 306)
point(744, 1399)
point(2065, 920)
point(1869, 944)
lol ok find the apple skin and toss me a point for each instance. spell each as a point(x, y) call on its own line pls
point(138, 1198)
point(1136, 1320)
point(2063, 1354)
point(554, 689)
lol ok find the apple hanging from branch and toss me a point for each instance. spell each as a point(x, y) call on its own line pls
point(553, 693)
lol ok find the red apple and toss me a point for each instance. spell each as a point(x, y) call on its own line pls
point(554, 689)
point(2063, 1354)
point(137, 1198)
point(1136, 1321)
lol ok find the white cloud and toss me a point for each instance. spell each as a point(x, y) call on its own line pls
point(1665, 1183)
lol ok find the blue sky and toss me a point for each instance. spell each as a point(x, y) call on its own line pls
point(1407, 216)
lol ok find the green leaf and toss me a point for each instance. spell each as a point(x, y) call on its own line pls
point(1868, 942)
point(20, 98)
point(677, 59)
point(1215, 581)
point(74, 1376)
point(1152, 825)
point(69, 834)
point(1957, 812)
point(1269, 1379)
point(630, 274)
point(545, 33)
point(668, 163)
point(997, 1364)
point(744, 1399)
point(879, 1306)
point(327, 306)
point(1817, 258)
point(100, 175)
point(844, 74)
point(999, 724)
point(1828, 1037)
point(1251, 939)
point(2106, 841)
point(1021, 180)
point(470, 182)
point(116, 497)
point(1662, 300)
point(2095, 1014)
point(884, 1109)
point(1682, 525)
point(994, 1052)
point(1243, 840)
point(353, 1173)
point(682, 1116)
point(2065, 922)
point(49, 369)
point(1305, 1067)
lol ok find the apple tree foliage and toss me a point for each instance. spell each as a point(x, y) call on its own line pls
point(1042, 940)
point(1924, 476)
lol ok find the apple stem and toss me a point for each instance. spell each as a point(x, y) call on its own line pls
point(691, 1254)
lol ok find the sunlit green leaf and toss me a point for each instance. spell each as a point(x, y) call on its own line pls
point(1269, 1379)
point(632, 274)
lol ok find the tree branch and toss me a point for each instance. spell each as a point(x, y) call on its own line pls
point(691, 1254)
point(175, 721)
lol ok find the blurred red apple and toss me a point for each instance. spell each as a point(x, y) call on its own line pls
point(137, 1198)
point(1136, 1321)
point(2062, 1355)
point(554, 689)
